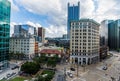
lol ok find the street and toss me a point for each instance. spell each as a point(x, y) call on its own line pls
point(9, 72)
point(95, 72)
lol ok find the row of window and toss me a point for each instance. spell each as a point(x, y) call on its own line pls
point(76, 47)
point(83, 40)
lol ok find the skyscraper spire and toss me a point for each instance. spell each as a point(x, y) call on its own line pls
point(73, 14)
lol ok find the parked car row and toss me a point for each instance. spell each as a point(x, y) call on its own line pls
point(9, 76)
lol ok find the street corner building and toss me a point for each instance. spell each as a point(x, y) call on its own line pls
point(84, 42)
point(5, 8)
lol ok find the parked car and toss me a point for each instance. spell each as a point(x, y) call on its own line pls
point(104, 68)
point(72, 69)
point(15, 67)
point(70, 75)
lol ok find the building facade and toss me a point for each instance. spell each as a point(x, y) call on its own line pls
point(41, 33)
point(84, 43)
point(114, 35)
point(103, 52)
point(104, 32)
point(73, 14)
point(51, 52)
point(36, 48)
point(5, 8)
point(23, 45)
point(24, 31)
point(64, 36)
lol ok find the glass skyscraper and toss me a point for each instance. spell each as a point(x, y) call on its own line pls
point(5, 8)
point(73, 14)
point(114, 35)
point(104, 32)
point(24, 30)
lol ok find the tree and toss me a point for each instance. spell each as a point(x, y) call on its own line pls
point(50, 75)
point(118, 49)
point(11, 55)
point(40, 78)
point(51, 62)
point(37, 61)
point(30, 67)
point(56, 58)
point(43, 60)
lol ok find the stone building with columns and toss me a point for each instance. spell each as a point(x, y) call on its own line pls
point(84, 42)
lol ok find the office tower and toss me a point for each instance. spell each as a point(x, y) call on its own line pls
point(84, 42)
point(26, 46)
point(41, 33)
point(114, 35)
point(104, 32)
point(24, 31)
point(5, 8)
point(73, 14)
point(64, 36)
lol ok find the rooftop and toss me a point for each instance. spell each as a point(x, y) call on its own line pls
point(50, 51)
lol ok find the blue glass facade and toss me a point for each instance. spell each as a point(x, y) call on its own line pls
point(114, 35)
point(5, 8)
point(73, 14)
point(23, 30)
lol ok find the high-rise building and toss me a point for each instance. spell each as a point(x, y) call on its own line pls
point(114, 35)
point(84, 42)
point(73, 14)
point(24, 31)
point(5, 8)
point(64, 36)
point(41, 33)
point(104, 32)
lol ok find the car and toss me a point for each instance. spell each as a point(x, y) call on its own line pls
point(104, 68)
point(8, 75)
point(72, 69)
point(70, 75)
point(15, 67)
point(3, 78)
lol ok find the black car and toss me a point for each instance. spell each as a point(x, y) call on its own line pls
point(15, 67)
point(72, 69)
point(104, 68)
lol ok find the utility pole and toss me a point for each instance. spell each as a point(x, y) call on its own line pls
point(77, 70)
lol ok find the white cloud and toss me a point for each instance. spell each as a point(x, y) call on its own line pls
point(53, 31)
point(107, 10)
point(56, 12)
point(33, 24)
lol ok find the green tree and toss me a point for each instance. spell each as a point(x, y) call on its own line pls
point(40, 78)
point(51, 62)
point(11, 55)
point(30, 67)
point(37, 61)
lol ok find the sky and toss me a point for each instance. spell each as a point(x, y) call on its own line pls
point(52, 14)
